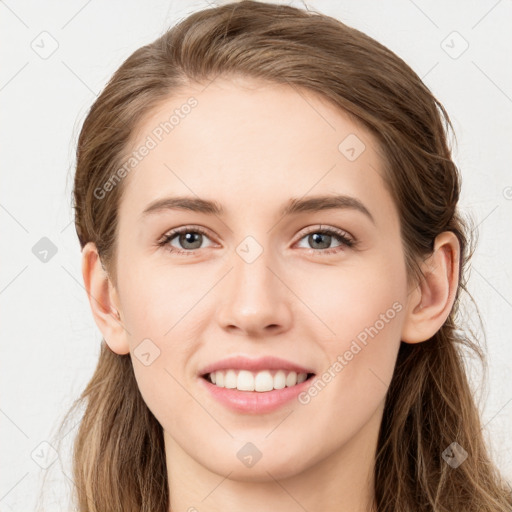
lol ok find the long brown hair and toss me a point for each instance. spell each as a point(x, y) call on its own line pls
point(118, 455)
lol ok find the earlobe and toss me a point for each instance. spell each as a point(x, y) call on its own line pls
point(103, 300)
point(429, 305)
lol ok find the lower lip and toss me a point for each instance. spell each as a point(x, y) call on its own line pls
point(255, 402)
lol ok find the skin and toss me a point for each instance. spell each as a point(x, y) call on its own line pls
point(251, 146)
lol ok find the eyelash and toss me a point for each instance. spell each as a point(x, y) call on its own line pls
point(339, 234)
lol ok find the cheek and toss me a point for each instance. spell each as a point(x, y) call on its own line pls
point(161, 316)
point(158, 363)
point(156, 300)
point(350, 299)
point(146, 324)
point(363, 309)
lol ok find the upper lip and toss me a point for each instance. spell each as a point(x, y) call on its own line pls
point(261, 363)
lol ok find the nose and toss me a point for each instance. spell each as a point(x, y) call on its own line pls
point(256, 301)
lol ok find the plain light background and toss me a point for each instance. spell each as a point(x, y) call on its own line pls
point(50, 343)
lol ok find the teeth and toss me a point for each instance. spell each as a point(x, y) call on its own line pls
point(265, 380)
point(279, 380)
point(230, 380)
point(291, 379)
point(301, 377)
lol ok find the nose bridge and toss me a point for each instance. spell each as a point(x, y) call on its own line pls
point(255, 298)
point(251, 272)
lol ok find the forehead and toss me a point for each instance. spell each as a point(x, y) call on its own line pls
point(253, 143)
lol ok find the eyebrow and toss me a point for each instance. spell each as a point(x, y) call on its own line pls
point(293, 206)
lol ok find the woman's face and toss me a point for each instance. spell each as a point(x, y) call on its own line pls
point(260, 282)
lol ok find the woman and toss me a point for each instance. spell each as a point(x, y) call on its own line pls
point(243, 365)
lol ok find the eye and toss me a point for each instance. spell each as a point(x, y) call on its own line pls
point(321, 239)
point(189, 237)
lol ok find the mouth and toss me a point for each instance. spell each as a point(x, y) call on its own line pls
point(255, 392)
point(261, 381)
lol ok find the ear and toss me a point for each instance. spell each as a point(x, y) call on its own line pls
point(103, 300)
point(430, 303)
